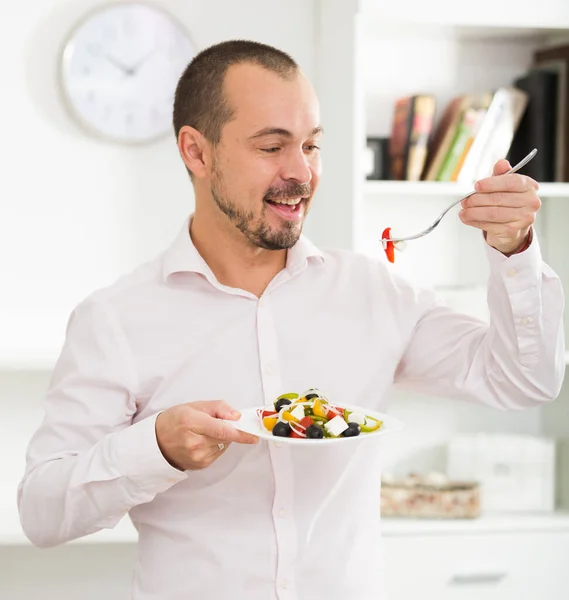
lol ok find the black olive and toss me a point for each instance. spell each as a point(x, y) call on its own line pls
point(314, 432)
point(352, 431)
point(280, 403)
point(311, 396)
point(282, 429)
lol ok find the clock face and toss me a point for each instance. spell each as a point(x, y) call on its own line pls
point(120, 70)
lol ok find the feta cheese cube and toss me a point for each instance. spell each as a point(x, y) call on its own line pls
point(356, 417)
point(336, 426)
point(298, 412)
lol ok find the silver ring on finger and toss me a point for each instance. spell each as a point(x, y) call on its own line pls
point(221, 447)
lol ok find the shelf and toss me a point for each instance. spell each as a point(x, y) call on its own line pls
point(443, 189)
point(27, 360)
point(124, 533)
point(492, 523)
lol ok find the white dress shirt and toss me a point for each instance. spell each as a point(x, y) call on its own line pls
point(267, 521)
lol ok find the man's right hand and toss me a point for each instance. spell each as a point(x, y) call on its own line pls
point(189, 434)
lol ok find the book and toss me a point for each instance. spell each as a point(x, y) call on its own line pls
point(556, 59)
point(465, 134)
point(495, 135)
point(537, 126)
point(421, 129)
point(444, 135)
point(412, 124)
point(447, 129)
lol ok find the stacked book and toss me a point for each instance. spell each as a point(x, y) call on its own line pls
point(476, 130)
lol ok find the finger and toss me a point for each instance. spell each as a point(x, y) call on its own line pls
point(501, 167)
point(513, 182)
point(216, 408)
point(205, 456)
point(528, 201)
point(215, 451)
point(217, 429)
point(493, 214)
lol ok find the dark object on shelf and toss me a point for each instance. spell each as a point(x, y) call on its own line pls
point(377, 158)
point(537, 128)
point(413, 120)
point(556, 59)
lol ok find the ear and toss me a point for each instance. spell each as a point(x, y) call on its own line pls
point(194, 150)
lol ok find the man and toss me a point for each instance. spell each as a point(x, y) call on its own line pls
point(241, 309)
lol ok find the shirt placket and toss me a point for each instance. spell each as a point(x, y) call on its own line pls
point(283, 518)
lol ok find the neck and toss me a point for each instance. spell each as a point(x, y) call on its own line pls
point(234, 261)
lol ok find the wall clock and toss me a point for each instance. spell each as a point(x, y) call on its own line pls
point(119, 71)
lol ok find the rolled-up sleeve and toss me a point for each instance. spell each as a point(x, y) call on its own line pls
point(88, 464)
point(515, 361)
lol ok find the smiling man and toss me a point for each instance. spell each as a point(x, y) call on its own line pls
point(242, 308)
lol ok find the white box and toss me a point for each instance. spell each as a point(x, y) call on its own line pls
point(515, 472)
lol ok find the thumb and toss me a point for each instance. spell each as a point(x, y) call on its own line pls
point(501, 167)
point(217, 409)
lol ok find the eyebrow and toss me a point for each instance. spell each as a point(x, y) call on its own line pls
point(284, 132)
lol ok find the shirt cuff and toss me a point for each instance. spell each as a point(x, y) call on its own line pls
point(521, 275)
point(140, 459)
point(518, 271)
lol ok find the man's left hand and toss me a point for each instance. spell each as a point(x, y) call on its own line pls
point(505, 207)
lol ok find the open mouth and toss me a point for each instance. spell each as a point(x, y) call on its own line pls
point(289, 208)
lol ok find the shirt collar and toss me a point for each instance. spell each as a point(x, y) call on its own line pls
point(183, 256)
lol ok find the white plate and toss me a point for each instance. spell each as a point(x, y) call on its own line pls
point(250, 423)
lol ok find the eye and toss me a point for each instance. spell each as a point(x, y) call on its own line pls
point(312, 148)
point(270, 150)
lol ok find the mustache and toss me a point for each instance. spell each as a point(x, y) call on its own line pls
point(290, 190)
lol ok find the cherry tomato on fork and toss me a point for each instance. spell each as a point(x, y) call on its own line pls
point(388, 246)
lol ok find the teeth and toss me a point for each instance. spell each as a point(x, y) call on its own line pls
point(289, 201)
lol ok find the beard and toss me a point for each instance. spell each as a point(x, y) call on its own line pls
point(256, 229)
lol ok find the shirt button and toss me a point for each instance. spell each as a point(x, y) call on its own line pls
point(283, 585)
point(511, 272)
point(269, 370)
point(524, 321)
point(282, 513)
point(278, 444)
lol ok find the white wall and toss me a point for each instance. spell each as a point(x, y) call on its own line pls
point(75, 214)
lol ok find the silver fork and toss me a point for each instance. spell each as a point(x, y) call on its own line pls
point(515, 168)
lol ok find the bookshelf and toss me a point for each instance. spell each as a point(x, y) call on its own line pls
point(369, 53)
point(442, 189)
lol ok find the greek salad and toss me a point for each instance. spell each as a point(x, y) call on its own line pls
point(311, 415)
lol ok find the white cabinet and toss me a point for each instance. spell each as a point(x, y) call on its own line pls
point(485, 566)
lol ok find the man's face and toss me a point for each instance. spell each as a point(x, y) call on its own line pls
point(266, 167)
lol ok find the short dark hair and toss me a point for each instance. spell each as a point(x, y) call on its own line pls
point(199, 100)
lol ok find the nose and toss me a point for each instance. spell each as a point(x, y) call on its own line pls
point(297, 168)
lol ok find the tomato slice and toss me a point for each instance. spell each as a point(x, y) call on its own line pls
point(388, 247)
point(306, 422)
point(334, 411)
point(268, 413)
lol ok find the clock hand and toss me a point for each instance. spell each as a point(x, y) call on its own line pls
point(138, 64)
point(118, 64)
